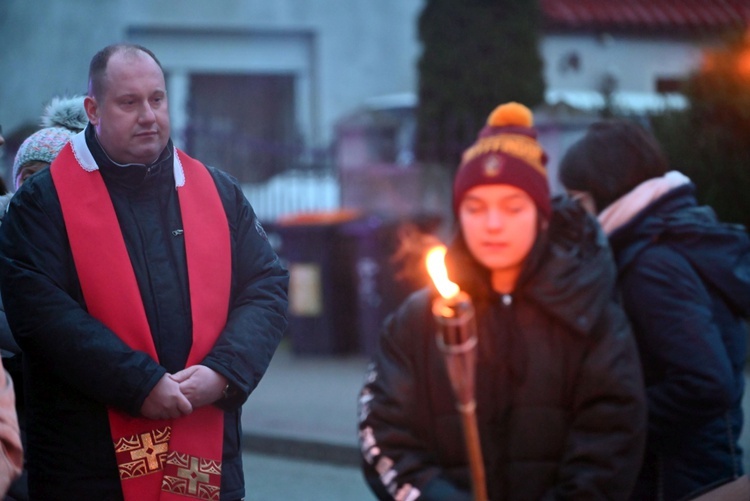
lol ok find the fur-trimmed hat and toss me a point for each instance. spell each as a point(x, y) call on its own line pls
point(506, 152)
point(62, 119)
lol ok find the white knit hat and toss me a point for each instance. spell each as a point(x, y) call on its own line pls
point(62, 119)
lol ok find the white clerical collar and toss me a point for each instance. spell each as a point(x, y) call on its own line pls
point(87, 162)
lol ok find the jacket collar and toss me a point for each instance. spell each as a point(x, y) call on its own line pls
point(91, 157)
point(625, 208)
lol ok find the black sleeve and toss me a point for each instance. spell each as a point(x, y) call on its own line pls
point(396, 464)
point(257, 313)
point(46, 311)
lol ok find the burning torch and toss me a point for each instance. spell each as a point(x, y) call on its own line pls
point(457, 340)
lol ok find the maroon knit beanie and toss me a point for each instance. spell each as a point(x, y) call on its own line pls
point(506, 152)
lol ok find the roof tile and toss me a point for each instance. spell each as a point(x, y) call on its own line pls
point(648, 15)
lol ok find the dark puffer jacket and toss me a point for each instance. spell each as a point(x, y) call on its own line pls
point(560, 400)
point(685, 281)
point(76, 367)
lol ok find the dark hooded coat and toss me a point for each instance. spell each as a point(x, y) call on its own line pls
point(685, 282)
point(559, 392)
point(75, 367)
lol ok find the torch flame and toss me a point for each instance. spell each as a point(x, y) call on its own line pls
point(439, 274)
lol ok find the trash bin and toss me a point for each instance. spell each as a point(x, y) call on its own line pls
point(322, 289)
point(380, 286)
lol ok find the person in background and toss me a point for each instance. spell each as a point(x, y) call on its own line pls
point(684, 279)
point(63, 117)
point(559, 393)
point(11, 450)
point(147, 301)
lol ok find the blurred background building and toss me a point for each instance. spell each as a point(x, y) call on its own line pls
point(262, 89)
point(311, 104)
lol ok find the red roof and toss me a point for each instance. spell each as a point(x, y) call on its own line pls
point(647, 15)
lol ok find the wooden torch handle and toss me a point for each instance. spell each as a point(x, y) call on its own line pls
point(474, 451)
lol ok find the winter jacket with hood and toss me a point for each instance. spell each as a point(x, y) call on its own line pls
point(685, 282)
point(76, 367)
point(559, 391)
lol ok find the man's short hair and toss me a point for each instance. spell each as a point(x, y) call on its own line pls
point(98, 66)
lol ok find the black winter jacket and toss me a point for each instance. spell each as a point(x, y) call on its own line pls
point(76, 367)
point(560, 401)
point(685, 281)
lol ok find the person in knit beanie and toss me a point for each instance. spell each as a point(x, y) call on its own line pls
point(559, 394)
point(62, 119)
point(506, 152)
point(11, 449)
point(506, 164)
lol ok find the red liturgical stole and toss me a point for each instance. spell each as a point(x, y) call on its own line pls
point(157, 460)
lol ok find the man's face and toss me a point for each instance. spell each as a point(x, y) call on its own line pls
point(132, 117)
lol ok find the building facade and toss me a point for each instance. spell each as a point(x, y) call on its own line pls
point(259, 88)
point(274, 75)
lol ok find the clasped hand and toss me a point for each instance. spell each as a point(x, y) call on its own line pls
point(178, 394)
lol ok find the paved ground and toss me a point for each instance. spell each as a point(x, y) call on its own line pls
point(306, 407)
point(275, 478)
point(300, 430)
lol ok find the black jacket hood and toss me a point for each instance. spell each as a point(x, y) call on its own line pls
point(570, 271)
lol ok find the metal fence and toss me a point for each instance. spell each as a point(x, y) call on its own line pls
point(294, 191)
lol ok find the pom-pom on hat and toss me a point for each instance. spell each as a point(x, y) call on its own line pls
point(506, 152)
point(62, 119)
